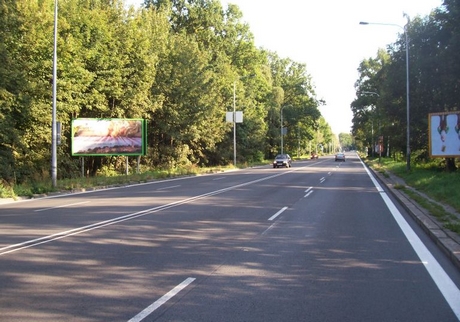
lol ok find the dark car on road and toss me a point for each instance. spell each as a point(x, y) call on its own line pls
point(282, 160)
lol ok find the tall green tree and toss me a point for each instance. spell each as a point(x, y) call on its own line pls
point(180, 64)
point(12, 79)
point(190, 120)
point(346, 141)
point(107, 62)
point(25, 88)
point(299, 105)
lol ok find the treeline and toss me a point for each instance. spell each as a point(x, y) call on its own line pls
point(434, 82)
point(176, 63)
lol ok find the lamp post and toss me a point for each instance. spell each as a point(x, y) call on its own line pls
point(53, 122)
point(234, 123)
point(281, 126)
point(407, 81)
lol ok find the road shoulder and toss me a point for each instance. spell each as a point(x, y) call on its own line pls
point(448, 241)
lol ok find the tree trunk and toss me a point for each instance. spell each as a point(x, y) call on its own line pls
point(450, 165)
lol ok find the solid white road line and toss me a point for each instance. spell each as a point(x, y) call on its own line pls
point(447, 287)
point(162, 300)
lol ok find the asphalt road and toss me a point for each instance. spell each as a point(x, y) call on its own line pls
point(321, 241)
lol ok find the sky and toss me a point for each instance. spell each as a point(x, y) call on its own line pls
point(326, 36)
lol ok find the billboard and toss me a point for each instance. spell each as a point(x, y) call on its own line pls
point(101, 137)
point(444, 134)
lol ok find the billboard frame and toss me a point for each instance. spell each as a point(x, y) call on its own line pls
point(108, 137)
point(444, 134)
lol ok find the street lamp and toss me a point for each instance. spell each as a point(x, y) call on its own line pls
point(407, 80)
point(281, 126)
point(53, 122)
point(234, 123)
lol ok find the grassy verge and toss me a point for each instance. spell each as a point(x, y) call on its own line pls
point(108, 177)
point(448, 220)
point(431, 179)
point(100, 181)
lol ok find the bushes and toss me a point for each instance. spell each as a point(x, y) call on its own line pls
point(6, 191)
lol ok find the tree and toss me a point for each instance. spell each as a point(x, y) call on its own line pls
point(107, 63)
point(190, 120)
point(175, 63)
point(300, 106)
point(346, 141)
point(25, 88)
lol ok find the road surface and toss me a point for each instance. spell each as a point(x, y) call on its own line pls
point(321, 241)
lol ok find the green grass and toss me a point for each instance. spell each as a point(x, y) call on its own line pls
point(431, 179)
point(447, 219)
point(100, 181)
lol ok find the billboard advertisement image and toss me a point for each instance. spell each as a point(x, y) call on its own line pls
point(108, 137)
point(444, 132)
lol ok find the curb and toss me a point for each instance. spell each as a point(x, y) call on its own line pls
point(4, 201)
point(446, 240)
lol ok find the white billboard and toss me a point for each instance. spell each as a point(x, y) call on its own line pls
point(444, 134)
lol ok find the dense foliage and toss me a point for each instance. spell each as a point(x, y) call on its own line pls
point(176, 63)
point(434, 78)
